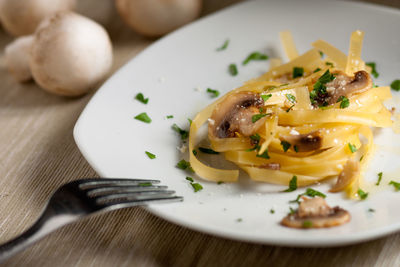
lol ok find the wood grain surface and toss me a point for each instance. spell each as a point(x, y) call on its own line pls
point(38, 153)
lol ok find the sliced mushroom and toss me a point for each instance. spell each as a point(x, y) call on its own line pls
point(344, 85)
point(349, 174)
point(234, 115)
point(304, 142)
point(315, 213)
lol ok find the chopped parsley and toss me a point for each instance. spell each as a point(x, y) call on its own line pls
point(233, 69)
point(184, 165)
point(291, 210)
point(196, 186)
point(290, 108)
point(263, 155)
point(373, 69)
point(190, 179)
point(255, 137)
point(143, 117)
point(292, 184)
point(140, 97)
point(239, 219)
point(272, 211)
point(319, 89)
point(255, 56)
point(352, 148)
point(316, 70)
point(371, 210)
point(330, 64)
point(361, 158)
point(297, 72)
point(212, 92)
point(145, 184)
point(266, 97)
point(395, 184)
point(224, 45)
point(170, 116)
point(220, 182)
point(150, 155)
point(291, 98)
point(208, 151)
point(395, 85)
point(314, 193)
point(296, 149)
point(321, 54)
point(194, 152)
point(184, 134)
point(344, 101)
point(285, 145)
point(307, 224)
point(256, 117)
point(363, 195)
point(379, 178)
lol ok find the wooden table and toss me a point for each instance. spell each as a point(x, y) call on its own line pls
point(38, 153)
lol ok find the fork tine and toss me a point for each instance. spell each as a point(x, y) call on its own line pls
point(96, 182)
point(135, 196)
point(141, 202)
point(101, 191)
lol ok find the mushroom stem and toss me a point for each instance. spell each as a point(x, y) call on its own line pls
point(17, 55)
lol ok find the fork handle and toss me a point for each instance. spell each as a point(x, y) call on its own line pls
point(48, 222)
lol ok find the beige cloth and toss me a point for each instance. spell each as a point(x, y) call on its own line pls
point(38, 153)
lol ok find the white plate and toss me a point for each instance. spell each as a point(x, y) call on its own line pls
point(169, 71)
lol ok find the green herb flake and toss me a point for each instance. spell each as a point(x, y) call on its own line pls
point(290, 108)
point(395, 85)
point(285, 145)
point(316, 70)
point(143, 117)
point(233, 69)
point(220, 182)
point(266, 97)
point(170, 116)
point(256, 117)
point(263, 155)
point(184, 134)
point(330, 64)
point(307, 224)
point(292, 211)
point(190, 179)
point(190, 121)
point(321, 54)
point(296, 149)
point(319, 87)
point(361, 158)
point(292, 184)
point(395, 184)
point(224, 45)
point(272, 211)
point(184, 165)
point(379, 178)
point(371, 210)
point(291, 98)
point(150, 155)
point(255, 137)
point(352, 148)
point(208, 151)
point(314, 193)
point(255, 56)
point(194, 152)
point(213, 92)
point(344, 101)
point(373, 69)
point(239, 220)
point(363, 195)
point(297, 72)
point(145, 184)
point(140, 98)
point(196, 186)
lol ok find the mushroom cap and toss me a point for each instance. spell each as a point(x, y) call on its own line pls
point(16, 56)
point(21, 17)
point(158, 17)
point(70, 54)
point(304, 142)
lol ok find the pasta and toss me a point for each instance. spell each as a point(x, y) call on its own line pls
point(308, 118)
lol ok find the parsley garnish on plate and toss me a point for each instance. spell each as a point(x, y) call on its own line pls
point(292, 184)
point(319, 89)
point(291, 98)
point(371, 210)
point(297, 72)
point(196, 186)
point(145, 184)
point(316, 70)
point(150, 155)
point(190, 179)
point(233, 69)
point(143, 117)
point(184, 165)
point(256, 117)
point(239, 219)
point(330, 64)
point(170, 116)
point(213, 92)
point(352, 148)
point(363, 195)
point(290, 108)
point(395, 184)
point(184, 134)
point(314, 193)
point(395, 85)
point(220, 182)
point(307, 224)
point(194, 152)
point(272, 211)
point(255, 56)
point(379, 178)
point(224, 45)
point(344, 101)
point(255, 138)
point(263, 155)
point(208, 150)
point(373, 69)
point(140, 97)
point(285, 145)
point(295, 148)
point(266, 97)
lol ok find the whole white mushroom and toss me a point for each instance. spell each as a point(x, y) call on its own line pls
point(158, 17)
point(21, 17)
point(70, 54)
point(16, 56)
